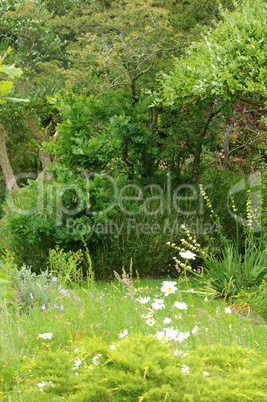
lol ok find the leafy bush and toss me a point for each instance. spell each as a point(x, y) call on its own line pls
point(31, 289)
point(255, 298)
point(141, 368)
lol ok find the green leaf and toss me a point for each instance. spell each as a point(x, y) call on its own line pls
point(18, 99)
point(12, 71)
point(5, 87)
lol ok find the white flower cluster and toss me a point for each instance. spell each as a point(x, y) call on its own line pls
point(43, 384)
point(171, 334)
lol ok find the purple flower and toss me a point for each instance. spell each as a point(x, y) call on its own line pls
point(55, 306)
point(61, 307)
point(64, 292)
point(59, 288)
point(43, 307)
point(54, 279)
point(91, 294)
point(84, 175)
point(31, 296)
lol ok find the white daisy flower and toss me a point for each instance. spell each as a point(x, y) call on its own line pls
point(148, 315)
point(181, 305)
point(168, 287)
point(143, 300)
point(158, 304)
point(123, 334)
point(167, 320)
point(181, 336)
point(185, 369)
point(160, 335)
point(95, 359)
point(43, 384)
point(47, 335)
point(150, 321)
point(77, 364)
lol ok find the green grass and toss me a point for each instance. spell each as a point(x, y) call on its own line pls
point(104, 310)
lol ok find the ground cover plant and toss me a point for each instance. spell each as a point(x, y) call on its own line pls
point(129, 340)
point(133, 242)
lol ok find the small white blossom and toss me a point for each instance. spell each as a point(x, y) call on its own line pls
point(95, 360)
point(206, 299)
point(205, 373)
point(160, 335)
point(227, 310)
point(47, 335)
point(194, 330)
point(185, 369)
point(43, 384)
point(187, 255)
point(143, 300)
point(112, 347)
point(178, 352)
point(180, 305)
point(77, 364)
point(158, 304)
point(181, 336)
point(167, 320)
point(123, 334)
point(168, 287)
point(150, 321)
point(149, 315)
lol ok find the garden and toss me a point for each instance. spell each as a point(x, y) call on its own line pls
point(133, 201)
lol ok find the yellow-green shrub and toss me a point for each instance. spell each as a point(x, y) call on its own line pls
point(142, 368)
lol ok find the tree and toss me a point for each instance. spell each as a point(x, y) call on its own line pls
point(228, 65)
point(7, 75)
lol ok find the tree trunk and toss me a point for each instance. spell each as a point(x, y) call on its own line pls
point(9, 177)
point(44, 158)
point(226, 150)
point(39, 138)
point(197, 156)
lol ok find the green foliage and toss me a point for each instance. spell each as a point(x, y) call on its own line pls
point(229, 60)
point(86, 138)
point(65, 266)
point(234, 270)
point(31, 289)
point(255, 298)
point(4, 283)
point(144, 369)
point(6, 86)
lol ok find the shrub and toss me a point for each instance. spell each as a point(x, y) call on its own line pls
point(141, 368)
point(255, 298)
point(31, 289)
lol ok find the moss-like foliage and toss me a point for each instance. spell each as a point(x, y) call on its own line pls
point(142, 368)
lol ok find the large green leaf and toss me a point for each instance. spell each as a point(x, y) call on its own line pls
point(11, 71)
point(5, 88)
